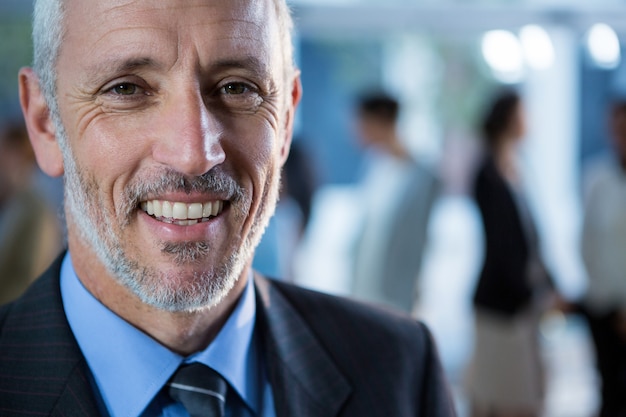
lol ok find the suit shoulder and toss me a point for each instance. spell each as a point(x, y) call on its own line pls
point(387, 357)
point(355, 322)
point(36, 304)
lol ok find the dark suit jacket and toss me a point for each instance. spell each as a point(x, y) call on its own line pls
point(326, 357)
point(503, 285)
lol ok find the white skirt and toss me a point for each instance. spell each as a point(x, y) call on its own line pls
point(506, 371)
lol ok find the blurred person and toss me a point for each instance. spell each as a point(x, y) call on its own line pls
point(170, 122)
point(30, 233)
point(397, 194)
point(603, 243)
point(514, 289)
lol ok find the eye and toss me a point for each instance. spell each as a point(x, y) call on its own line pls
point(125, 89)
point(235, 88)
point(126, 93)
point(236, 94)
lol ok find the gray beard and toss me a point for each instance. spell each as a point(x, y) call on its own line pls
point(151, 285)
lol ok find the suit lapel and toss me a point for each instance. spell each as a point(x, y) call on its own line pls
point(305, 381)
point(47, 370)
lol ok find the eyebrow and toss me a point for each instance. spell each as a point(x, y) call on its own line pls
point(101, 71)
point(248, 63)
point(104, 69)
point(135, 63)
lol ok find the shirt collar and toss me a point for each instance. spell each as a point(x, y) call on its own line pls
point(130, 368)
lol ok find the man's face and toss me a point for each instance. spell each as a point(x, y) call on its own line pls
point(176, 116)
point(371, 131)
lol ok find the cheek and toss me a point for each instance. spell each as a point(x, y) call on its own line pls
point(260, 149)
point(253, 138)
point(111, 143)
point(108, 153)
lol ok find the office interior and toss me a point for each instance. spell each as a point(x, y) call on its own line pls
point(442, 59)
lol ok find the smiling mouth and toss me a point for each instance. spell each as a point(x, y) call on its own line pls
point(182, 214)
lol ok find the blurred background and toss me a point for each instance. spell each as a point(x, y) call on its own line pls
point(442, 60)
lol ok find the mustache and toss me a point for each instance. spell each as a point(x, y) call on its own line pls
point(215, 182)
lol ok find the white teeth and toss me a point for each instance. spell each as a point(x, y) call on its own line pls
point(167, 209)
point(217, 207)
point(207, 209)
point(157, 208)
point(179, 211)
point(182, 214)
point(194, 211)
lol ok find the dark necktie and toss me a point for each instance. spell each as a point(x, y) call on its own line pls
point(200, 389)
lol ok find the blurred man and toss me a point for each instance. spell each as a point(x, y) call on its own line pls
point(398, 193)
point(170, 122)
point(603, 243)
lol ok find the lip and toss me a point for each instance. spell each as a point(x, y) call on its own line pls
point(183, 214)
point(180, 230)
point(176, 233)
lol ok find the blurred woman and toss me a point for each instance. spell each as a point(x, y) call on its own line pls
point(505, 377)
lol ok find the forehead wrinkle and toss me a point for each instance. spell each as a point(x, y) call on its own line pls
point(176, 32)
point(258, 25)
point(121, 9)
point(130, 28)
point(157, 7)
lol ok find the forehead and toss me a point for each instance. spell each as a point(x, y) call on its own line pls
point(97, 29)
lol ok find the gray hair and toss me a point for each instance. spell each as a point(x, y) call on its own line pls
point(48, 32)
point(285, 30)
point(47, 37)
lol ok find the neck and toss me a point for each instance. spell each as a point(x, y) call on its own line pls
point(505, 160)
point(395, 148)
point(181, 332)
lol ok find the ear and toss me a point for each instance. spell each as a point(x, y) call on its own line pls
point(296, 94)
point(40, 127)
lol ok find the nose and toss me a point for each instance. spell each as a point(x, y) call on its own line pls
point(188, 138)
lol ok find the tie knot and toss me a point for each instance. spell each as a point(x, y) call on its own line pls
point(200, 389)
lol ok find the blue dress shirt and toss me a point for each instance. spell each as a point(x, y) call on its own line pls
point(130, 368)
